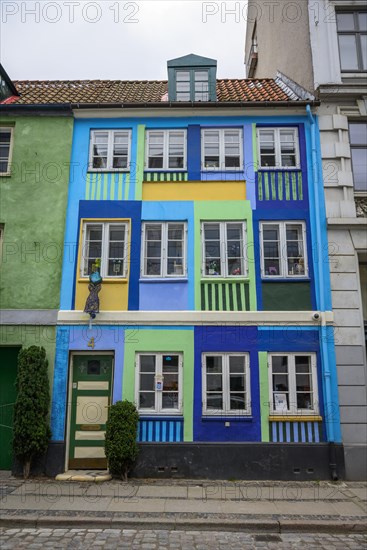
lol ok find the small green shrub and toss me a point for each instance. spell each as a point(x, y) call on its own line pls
point(31, 427)
point(120, 443)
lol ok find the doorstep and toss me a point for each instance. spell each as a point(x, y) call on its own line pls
point(85, 475)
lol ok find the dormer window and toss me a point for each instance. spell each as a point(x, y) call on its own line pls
point(192, 78)
point(192, 85)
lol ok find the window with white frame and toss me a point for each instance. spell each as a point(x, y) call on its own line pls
point(293, 383)
point(278, 147)
point(109, 150)
point(104, 249)
point(165, 150)
point(352, 38)
point(6, 143)
point(192, 85)
point(164, 249)
point(223, 249)
point(226, 383)
point(159, 383)
point(221, 149)
point(283, 249)
point(358, 149)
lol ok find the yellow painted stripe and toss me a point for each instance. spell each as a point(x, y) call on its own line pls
point(127, 186)
point(119, 194)
point(299, 418)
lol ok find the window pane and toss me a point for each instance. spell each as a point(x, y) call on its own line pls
point(183, 86)
point(345, 21)
point(271, 249)
point(214, 402)
point(201, 75)
point(359, 163)
point(214, 382)
point(348, 52)
point(147, 400)
point(182, 76)
point(295, 252)
point(93, 249)
point(147, 382)
point(170, 362)
point(363, 38)
point(362, 21)
point(147, 363)
point(5, 137)
point(237, 402)
point(170, 400)
point(267, 148)
point(155, 149)
point(236, 364)
point(213, 363)
point(358, 133)
point(235, 249)
point(211, 149)
point(287, 148)
point(279, 363)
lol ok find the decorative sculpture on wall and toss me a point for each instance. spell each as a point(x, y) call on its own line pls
point(94, 287)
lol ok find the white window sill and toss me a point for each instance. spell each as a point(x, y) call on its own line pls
point(181, 279)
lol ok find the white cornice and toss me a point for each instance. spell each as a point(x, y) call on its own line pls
point(187, 318)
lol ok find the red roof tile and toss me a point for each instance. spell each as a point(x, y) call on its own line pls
point(52, 92)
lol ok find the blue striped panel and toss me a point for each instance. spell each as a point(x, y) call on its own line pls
point(288, 432)
point(309, 431)
point(157, 430)
point(178, 432)
point(303, 433)
point(160, 430)
point(274, 430)
point(280, 432)
point(171, 426)
point(150, 431)
point(295, 432)
point(317, 435)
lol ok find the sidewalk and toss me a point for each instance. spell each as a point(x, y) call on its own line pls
point(186, 504)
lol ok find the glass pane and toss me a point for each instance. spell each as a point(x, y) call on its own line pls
point(94, 367)
point(214, 382)
point(170, 382)
point(147, 363)
point(101, 137)
point(213, 363)
point(182, 76)
point(359, 163)
point(153, 267)
point(345, 21)
point(237, 401)
point(5, 136)
point(214, 402)
point(115, 268)
point(358, 133)
point(232, 162)
point(170, 362)
point(279, 363)
point(153, 232)
point(304, 401)
point(119, 162)
point(154, 249)
point(303, 363)
point(201, 75)
point(3, 166)
point(147, 381)
point(170, 400)
point(183, 96)
point(147, 400)
point(348, 52)
point(362, 21)
point(237, 382)
point(183, 87)
point(363, 38)
point(236, 364)
point(212, 231)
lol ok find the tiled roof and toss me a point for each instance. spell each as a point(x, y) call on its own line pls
point(52, 92)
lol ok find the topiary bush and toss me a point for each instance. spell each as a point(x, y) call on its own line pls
point(121, 447)
point(31, 432)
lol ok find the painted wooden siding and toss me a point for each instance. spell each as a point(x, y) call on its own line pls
point(165, 176)
point(224, 296)
point(295, 432)
point(107, 186)
point(280, 186)
point(160, 430)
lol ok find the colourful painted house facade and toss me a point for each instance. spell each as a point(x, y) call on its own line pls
point(200, 203)
point(35, 147)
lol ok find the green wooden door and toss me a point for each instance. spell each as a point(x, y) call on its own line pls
point(90, 399)
point(8, 394)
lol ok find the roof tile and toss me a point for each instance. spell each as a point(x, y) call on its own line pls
point(53, 92)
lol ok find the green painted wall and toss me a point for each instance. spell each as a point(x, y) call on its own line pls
point(162, 341)
point(264, 395)
point(30, 335)
point(286, 296)
point(221, 211)
point(32, 208)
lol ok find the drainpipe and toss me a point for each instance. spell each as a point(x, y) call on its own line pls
point(326, 374)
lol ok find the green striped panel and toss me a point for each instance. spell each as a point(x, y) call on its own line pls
point(300, 186)
point(287, 188)
point(260, 186)
point(231, 296)
point(272, 183)
point(294, 186)
point(165, 176)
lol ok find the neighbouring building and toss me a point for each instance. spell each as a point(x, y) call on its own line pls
point(200, 202)
point(35, 146)
point(322, 45)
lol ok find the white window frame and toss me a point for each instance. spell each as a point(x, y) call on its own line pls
point(278, 155)
point(222, 133)
point(111, 134)
point(293, 410)
point(166, 136)
point(158, 394)
point(105, 247)
point(164, 258)
point(223, 249)
point(11, 144)
point(283, 258)
point(226, 411)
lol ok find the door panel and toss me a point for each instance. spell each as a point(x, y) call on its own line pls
point(90, 399)
point(8, 394)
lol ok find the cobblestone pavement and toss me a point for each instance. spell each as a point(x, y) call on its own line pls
point(172, 540)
